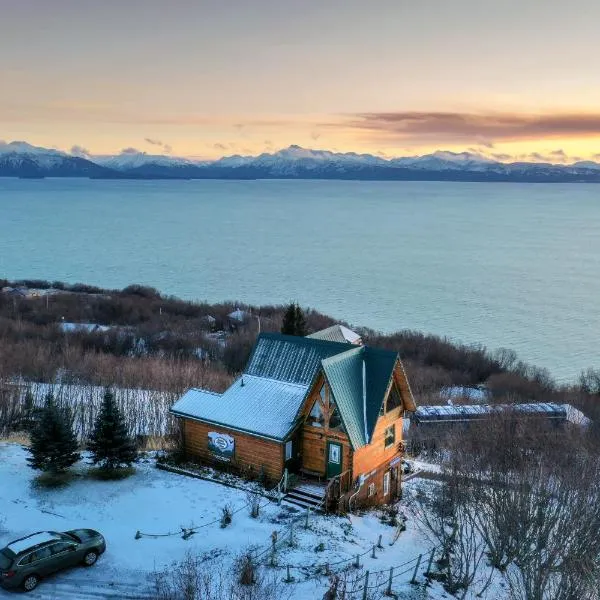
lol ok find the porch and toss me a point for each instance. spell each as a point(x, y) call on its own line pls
point(314, 492)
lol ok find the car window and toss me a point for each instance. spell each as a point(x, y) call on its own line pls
point(61, 547)
point(40, 554)
point(5, 561)
point(26, 559)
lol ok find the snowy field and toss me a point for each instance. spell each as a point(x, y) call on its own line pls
point(158, 502)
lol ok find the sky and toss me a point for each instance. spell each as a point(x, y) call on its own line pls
point(511, 79)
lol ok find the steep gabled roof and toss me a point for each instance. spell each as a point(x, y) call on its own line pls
point(356, 396)
point(336, 333)
point(290, 358)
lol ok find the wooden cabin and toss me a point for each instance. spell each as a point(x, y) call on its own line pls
point(328, 412)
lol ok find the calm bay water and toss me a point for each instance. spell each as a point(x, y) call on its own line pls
point(514, 265)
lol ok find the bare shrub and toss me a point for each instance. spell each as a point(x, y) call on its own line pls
point(226, 515)
point(253, 501)
point(197, 578)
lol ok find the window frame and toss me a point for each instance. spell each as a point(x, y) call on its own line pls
point(387, 480)
point(371, 490)
point(289, 444)
point(386, 436)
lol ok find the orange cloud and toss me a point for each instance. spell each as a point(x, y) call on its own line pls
point(474, 127)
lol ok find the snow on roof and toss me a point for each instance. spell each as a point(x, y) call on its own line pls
point(468, 412)
point(33, 540)
point(88, 327)
point(258, 405)
point(336, 333)
point(475, 394)
point(238, 315)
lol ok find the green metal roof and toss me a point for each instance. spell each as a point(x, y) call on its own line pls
point(290, 358)
point(344, 373)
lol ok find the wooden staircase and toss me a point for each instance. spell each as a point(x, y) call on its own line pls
point(307, 495)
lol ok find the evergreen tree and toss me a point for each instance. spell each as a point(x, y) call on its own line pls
point(289, 320)
point(110, 444)
point(300, 322)
point(294, 322)
point(53, 442)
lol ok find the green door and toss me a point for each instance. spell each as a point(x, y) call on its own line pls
point(334, 459)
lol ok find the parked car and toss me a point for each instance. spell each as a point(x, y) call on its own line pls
point(27, 560)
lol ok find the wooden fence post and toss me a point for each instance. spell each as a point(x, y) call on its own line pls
point(373, 553)
point(414, 577)
point(288, 579)
point(366, 586)
point(388, 590)
point(357, 563)
point(427, 573)
point(306, 520)
point(379, 543)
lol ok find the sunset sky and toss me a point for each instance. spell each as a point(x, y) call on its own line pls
point(509, 78)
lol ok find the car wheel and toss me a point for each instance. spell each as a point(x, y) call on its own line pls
point(90, 558)
point(30, 582)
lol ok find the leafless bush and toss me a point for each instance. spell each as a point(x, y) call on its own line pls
point(226, 515)
point(253, 501)
point(196, 578)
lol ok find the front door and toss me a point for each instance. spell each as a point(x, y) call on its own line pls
point(334, 459)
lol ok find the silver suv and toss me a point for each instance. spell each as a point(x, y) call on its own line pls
point(26, 560)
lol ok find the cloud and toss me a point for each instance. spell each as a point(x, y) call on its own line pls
point(501, 156)
point(560, 152)
point(596, 156)
point(315, 135)
point(164, 147)
point(219, 146)
point(80, 151)
point(131, 151)
point(473, 127)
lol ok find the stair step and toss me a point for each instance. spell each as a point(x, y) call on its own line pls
point(302, 503)
point(308, 492)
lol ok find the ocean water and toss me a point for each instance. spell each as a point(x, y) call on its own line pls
point(506, 265)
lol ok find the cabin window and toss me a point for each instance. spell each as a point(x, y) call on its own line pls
point(390, 436)
point(394, 400)
point(371, 490)
point(323, 394)
point(386, 483)
point(289, 446)
point(335, 421)
point(316, 417)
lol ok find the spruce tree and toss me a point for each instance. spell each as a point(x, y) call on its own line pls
point(110, 444)
point(289, 320)
point(300, 322)
point(293, 321)
point(53, 442)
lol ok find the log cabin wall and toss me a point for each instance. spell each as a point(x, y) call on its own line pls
point(314, 439)
point(375, 453)
point(249, 450)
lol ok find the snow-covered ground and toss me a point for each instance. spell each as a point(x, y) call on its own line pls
point(158, 502)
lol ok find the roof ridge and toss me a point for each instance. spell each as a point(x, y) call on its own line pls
point(300, 339)
point(280, 381)
point(342, 355)
point(204, 391)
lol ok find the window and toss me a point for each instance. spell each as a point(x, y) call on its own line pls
point(61, 547)
point(371, 491)
point(386, 483)
point(289, 446)
point(390, 436)
point(394, 400)
point(335, 421)
point(323, 394)
point(26, 559)
point(316, 417)
point(40, 554)
point(335, 454)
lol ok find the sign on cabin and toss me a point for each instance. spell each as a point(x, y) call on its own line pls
point(221, 445)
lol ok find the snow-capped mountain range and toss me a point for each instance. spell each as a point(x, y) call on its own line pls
point(20, 159)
